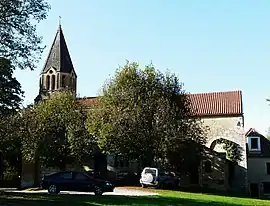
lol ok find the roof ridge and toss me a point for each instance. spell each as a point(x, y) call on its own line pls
point(89, 97)
point(207, 104)
point(216, 92)
point(79, 98)
point(252, 129)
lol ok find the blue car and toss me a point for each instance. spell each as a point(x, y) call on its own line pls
point(75, 181)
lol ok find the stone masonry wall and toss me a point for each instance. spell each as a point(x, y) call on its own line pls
point(227, 128)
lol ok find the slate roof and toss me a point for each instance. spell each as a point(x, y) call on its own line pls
point(265, 144)
point(59, 57)
point(205, 104)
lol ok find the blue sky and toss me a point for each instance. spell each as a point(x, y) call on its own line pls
point(211, 45)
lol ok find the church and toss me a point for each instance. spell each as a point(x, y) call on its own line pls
point(58, 71)
point(222, 112)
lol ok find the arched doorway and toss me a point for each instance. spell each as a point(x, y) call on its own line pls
point(234, 153)
point(232, 149)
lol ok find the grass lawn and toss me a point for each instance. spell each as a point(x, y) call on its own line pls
point(166, 198)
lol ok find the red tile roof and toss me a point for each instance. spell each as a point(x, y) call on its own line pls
point(87, 101)
point(204, 104)
point(217, 103)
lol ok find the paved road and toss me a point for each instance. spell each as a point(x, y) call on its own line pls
point(117, 191)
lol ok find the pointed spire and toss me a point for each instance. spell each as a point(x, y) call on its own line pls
point(60, 21)
point(59, 57)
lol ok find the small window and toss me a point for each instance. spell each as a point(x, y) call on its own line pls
point(153, 172)
point(74, 83)
point(48, 82)
point(80, 176)
point(207, 167)
point(53, 82)
point(63, 83)
point(57, 81)
point(254, 143)
point(268, 168)
point(66, 175)
point(70, 81)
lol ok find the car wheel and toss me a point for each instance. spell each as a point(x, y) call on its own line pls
point(53, 189)
point(98, 191)
point(144, 186)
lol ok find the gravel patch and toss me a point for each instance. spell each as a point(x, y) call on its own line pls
point(117, 191)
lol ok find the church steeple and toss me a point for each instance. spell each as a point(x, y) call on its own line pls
point(58, 71)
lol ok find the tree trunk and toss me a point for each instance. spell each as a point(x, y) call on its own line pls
point(36, 172)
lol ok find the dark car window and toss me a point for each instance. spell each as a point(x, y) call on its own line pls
point(66, 175)
point(80, 176)
point(149, 171)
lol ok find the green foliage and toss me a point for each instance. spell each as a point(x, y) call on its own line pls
point(146, 114)
point(11, 93)
point(19, 41)
point(233, 150)
point(10, 144)
point(53, 131)
point(11, 96)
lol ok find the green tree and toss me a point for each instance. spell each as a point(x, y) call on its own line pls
point(11, 96)
point(53, 131)
point(146, 115)
point(11, 93)
point(19, 41)
point(10, 145)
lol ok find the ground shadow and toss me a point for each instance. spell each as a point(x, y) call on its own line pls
point(65, 199)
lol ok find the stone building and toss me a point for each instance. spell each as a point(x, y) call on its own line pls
point(58, 71)
point(222, 112)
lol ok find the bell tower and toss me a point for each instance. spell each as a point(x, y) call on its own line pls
point(58, 71)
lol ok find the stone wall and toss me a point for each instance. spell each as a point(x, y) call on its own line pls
point(230, 128)
point(217, 176)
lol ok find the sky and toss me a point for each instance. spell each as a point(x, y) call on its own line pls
point(210, 45)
